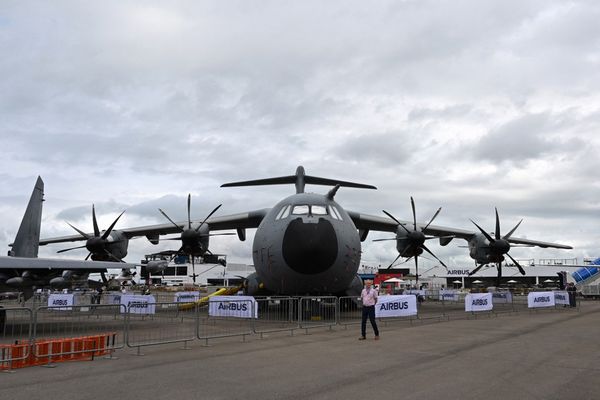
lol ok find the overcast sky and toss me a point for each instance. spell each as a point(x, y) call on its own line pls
point(465, 105)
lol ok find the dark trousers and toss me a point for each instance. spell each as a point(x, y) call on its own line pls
point(368, 312)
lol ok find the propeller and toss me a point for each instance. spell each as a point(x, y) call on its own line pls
point(415, 239)
point(190, 238)
point(499, 247)
point(98, 243)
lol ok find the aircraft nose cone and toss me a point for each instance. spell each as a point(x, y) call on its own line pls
point(310, 248)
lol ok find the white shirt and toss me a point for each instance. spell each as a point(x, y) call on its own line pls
point(369, 296)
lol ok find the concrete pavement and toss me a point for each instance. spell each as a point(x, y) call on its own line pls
point(542, 355)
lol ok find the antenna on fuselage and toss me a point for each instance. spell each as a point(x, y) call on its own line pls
point(300, 179)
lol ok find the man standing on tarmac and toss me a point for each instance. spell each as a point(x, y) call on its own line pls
point(369, 299)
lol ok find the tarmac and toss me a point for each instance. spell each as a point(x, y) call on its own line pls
point(526, 355)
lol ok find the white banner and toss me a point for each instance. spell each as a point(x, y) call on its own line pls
point(65, 301)
point(113, 298)
point(187, 297)
point(478, 302)
point(138, 304)
point(502, 297)
point(233, 306)
point(540, 299)
point(561, 297)
point(416, 292)
point(396, 306)
point(449, 295)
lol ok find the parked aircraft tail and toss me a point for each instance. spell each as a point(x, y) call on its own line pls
point(299, 179)
point(28, 237)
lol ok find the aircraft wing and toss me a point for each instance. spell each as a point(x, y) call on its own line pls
point(383, 224)
point(250, 219)
point(58, 263)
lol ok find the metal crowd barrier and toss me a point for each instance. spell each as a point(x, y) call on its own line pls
point(349, 310)
point(316, 312)
point(211, 326)
point(15, 336)
point(65, 332)
point(165, 323)
point(276, 314)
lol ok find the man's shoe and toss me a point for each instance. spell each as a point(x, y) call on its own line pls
point(377, 337)
point(362, 338)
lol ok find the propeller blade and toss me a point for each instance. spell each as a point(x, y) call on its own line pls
point(104, 280)
point(193, 269)
point(95, 222)
point(434, 256)
point(88, 256)
point(110, 228)
point(497, 225)
point(412, 203)
point(72, 248)
point(170, 220)
point(521, 270)
point(111, 255)
point(416, 269)
point(507, 236)
point(392, 263)
point(476, 269)
point(382, 240)
point(487, 235)
point(398, 222)
point(189, 203)
point(432, 218)
point(208, 216)
point(85, 235)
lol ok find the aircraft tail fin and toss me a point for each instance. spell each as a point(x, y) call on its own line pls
point(300, 180)
point(28, 237)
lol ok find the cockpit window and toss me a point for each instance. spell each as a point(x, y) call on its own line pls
point(318, 210)
point(300, 210)
point(285, 211)
point(335, 213)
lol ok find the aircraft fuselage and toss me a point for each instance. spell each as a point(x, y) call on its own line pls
point(307, 243)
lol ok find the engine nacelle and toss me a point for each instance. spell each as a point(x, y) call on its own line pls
point(60, 283)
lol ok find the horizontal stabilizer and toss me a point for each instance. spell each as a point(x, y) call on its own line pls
point(300, 179)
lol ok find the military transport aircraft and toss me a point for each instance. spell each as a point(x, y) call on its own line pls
point(308, 243)
point(22, 270)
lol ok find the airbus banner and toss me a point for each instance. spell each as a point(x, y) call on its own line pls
point(449, 295)
point(540, 299)
point(475, 302)
point(396, 306)
point(561, 297)
point(233, 306)
point(137, 304)
point(65, 301)
point(187, 297)
point(113, 298)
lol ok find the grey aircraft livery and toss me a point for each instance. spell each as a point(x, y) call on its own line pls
point(22, 270)
point(308, 243)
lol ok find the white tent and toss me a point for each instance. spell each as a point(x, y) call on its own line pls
point(394, 280)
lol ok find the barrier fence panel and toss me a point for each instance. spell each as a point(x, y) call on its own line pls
point(160, 323)
point(15, 336)
point(349, 310)
point(77, 332)
point(276, 315)
point(315, 312)
point(226, 318)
